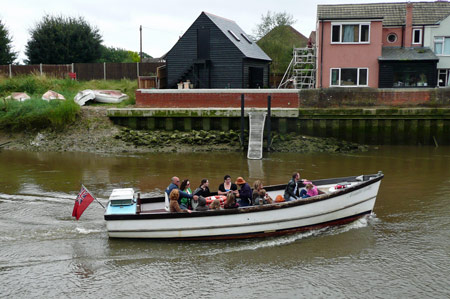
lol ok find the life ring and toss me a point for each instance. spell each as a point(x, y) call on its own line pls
point(210, 199)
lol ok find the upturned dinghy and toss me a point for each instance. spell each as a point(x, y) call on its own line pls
point(340, 201)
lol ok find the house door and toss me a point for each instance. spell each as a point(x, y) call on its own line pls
point(203, 43)
point(256, 77)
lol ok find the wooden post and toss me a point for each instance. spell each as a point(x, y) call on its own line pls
point(40, 68)
point(10, 71)
point(242, 120)
point(104, 70)
point(73, 68)
point(137, 67)
point(269, 121)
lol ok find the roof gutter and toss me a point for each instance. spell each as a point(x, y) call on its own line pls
point(352, 18)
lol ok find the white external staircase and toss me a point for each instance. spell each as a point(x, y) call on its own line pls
point(255, 138)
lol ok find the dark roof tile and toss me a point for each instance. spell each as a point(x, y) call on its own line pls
point(250, 50)
point(415, 53)
point(393, 14)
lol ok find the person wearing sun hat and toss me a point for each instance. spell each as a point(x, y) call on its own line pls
point(245, 193)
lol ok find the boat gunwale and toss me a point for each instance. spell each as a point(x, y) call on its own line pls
point(253, 209)
point(261, 234)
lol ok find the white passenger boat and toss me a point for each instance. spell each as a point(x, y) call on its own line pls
point(340, 201)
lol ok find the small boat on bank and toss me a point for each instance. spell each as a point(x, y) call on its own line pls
point(109, 96)
point(100, 96)
point(340, 201)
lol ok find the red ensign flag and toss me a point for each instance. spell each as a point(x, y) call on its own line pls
point(83, 200)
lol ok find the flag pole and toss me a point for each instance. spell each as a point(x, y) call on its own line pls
point(94, 197)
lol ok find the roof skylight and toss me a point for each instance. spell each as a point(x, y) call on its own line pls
point(234, 35)
point(246, 38)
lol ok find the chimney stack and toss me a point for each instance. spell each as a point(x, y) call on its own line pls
point(408, 25)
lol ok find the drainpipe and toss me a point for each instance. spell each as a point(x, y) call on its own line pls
point(423, 35)
point(321, 54)
point(403, 36)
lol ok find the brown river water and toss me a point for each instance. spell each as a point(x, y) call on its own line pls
point(401, 251)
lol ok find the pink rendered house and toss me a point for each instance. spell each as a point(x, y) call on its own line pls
point(379, 45)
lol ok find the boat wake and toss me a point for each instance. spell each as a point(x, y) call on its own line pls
point(289, 239)
point(86, 231)
point(53, 197)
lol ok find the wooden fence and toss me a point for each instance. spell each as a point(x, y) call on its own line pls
point(84, 71)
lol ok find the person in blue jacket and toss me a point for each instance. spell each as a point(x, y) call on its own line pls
point(175, 184)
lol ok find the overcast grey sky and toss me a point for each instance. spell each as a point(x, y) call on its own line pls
point(163, 21)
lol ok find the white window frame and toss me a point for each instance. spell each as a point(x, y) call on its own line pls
point(446, 73)
point(440, 40)
point(349, 23)
point(420, 36)
point(357, 76)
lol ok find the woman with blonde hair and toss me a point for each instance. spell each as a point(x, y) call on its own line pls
point(231, 203)
point(260, 196)
point(215, 205)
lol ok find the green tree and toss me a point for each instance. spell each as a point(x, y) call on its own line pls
point(272, 20)
point(58, 39)
point(112, 54)
point(278, 44)
point(7, 55)
point(134, 56)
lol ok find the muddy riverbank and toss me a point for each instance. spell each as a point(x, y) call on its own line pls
point(94, 132)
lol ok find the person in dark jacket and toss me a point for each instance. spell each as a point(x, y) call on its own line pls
point(227, 187)
point(245, 193)
point(291, 191)
point(175, 184)
point(203, 189)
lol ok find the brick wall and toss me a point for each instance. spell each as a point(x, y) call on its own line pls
point(363, 97)
point(215, 98)
point(318, 98)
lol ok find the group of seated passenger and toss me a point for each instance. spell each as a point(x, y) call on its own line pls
point(182, 199)
point(293, 192)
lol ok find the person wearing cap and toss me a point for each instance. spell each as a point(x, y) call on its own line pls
point(245, 193)
point(201, 204)
point(175, 184)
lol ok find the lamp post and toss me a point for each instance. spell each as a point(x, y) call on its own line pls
point(140, 33)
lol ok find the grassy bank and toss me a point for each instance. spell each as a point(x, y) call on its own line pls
point(35, 86)
point(36, 114)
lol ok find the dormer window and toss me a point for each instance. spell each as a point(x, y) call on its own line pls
point(417, 36)
point(350, 33)
point(234, 35)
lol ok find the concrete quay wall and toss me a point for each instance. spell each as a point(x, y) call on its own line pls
point(374, 125)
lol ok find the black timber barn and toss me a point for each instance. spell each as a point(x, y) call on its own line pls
point(216, 53)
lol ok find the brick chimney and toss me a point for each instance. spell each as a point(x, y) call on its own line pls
point(408, 25)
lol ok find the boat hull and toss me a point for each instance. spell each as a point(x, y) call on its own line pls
point(340, 207)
